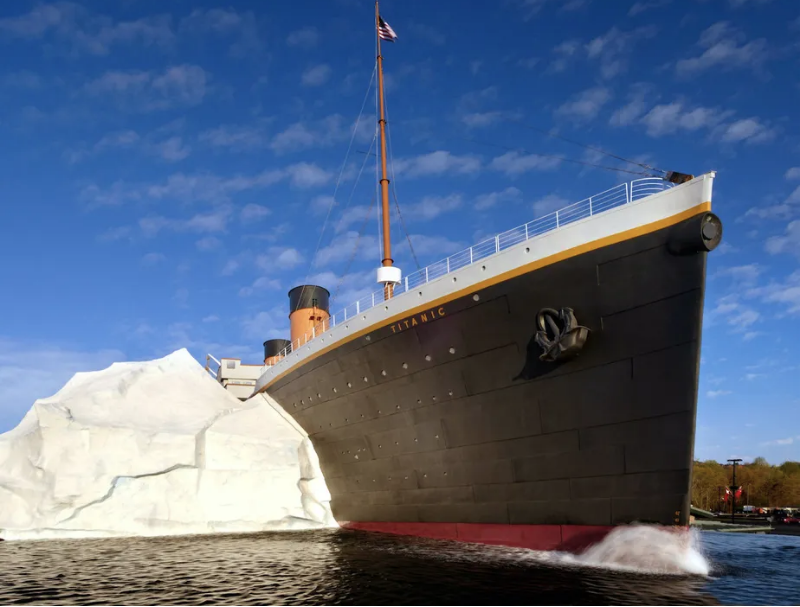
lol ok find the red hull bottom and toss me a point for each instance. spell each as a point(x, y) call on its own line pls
point(567, 538)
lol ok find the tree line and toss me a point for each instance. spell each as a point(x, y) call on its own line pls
point(763, 485)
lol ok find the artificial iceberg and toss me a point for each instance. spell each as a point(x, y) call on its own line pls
point(156, 448)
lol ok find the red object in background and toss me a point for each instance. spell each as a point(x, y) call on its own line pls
point(728, 493)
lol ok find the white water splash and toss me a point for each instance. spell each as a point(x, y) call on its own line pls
point(648, 549)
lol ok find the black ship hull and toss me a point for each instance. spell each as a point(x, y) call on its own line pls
point(446, 423)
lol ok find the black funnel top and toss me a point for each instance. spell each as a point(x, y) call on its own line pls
point(308, 296)
point(273, 347)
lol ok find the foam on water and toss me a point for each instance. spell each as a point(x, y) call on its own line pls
point(648, 549)
point(644, 549)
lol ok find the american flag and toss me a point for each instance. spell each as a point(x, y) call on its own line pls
point(385, 31)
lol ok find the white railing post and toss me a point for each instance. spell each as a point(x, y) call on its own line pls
point(556, 218)
point(590, 206)
point(470, 256)
point(373, 299)
point(358, 307)
point(526, 231)
point(426, 274)
point(406, 284)
point(448, 265)
point(629, 193)
point(497, 243)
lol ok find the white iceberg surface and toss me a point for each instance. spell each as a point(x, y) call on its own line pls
point(156, 448)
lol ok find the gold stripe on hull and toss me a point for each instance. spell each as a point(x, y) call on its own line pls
point(524, 269)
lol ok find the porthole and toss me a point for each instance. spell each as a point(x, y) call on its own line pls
point(428, 357)
point(452, 350)
point(476, 297)
point(527, 249)
point(483, 268)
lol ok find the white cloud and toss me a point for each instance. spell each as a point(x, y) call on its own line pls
point(792, 173)
point(209, 243)
point(723, 51)
point(437, 163)
point(343, 247)
point(215, 221)
point(279, 258)
point(236, 138)
point(438, 246)
point(262, 283)
point(717, 393)
point(305, 37)
point(230, 267)
point(306, 175)
point(640, 7)
point(204, 187)
point(24, 79)
point(789, 242)
point(613, 48)
point(750, 130)
point(31, 369)
point(267, 324)
point(317, 75)
point(610, 51)
point(634, 110)
point(356, 214)
point(330, 130)
point(211, 318)
point(585, 105)
point(745, 275)
point(482, 119)
point(531, 8)
point(139, 91)
point(151, 259)
point(172, 149)
point(508, 196)
point(786, 293)
point(253, 212)
point(241, 27)
point(430, 207)
point(549, 204)
point(733, 312)
point(669, 118)
point(86, 32)
point(515, 163)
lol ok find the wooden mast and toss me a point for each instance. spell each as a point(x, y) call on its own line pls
point(388, 288)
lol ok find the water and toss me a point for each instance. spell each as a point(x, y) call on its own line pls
point(345, 567)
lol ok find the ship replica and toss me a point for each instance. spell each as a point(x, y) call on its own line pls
point(535, 390)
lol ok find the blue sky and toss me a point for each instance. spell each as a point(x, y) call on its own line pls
point(167, 167)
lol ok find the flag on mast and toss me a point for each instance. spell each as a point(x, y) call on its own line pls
point(385, 31)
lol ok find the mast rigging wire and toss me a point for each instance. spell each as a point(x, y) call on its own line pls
point(394, 188)
point(561, 158)
point(338, 181)
point(355, 249)
point(584, 145)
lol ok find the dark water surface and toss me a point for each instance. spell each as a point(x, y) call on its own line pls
point(346, 567)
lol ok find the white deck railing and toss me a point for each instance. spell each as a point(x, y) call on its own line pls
point(619, 195)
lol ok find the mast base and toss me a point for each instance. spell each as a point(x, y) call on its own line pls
point(389, 275)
